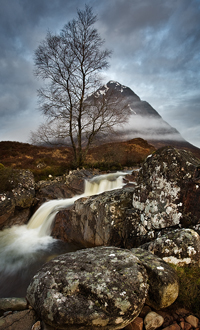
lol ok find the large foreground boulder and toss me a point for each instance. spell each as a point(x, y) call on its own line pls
point(89, 289)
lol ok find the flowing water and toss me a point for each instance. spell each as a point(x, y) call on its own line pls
point(24, 249)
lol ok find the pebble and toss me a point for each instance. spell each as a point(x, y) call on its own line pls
point(173, 318)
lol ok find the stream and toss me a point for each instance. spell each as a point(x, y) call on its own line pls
point(24, 249)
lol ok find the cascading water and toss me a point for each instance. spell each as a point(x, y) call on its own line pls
point(24, 249)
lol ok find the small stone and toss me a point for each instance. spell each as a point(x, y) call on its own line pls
point(137, 324)
point(173, 326)
point(193, 320)
point(153, 321)
point(182, 325)
point(36, 326)
point(182, 312)
point(187, 326)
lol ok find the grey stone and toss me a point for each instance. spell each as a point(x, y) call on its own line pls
point(180, 247)
point(88, 289)
point(162, 279)
point(153, 321)
point(97, 220)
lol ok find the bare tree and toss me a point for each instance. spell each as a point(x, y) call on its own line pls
point(69, 63)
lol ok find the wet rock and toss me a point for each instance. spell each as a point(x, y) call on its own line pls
point(180, 247)
point(13, 304)
point(23, 320)
point(14, 202)
point(97, 220)
point(153, 321)
point(162, 279)
point(88, 289)
point(65, 186)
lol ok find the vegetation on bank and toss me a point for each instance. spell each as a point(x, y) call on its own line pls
point(189, 282)
point(45, 161)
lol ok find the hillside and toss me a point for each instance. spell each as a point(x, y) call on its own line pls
point(44, 161)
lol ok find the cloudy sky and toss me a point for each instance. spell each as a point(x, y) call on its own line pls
point(156, 52)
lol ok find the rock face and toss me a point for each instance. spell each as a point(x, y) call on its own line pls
point(88, 289)
point(65, 186)
point(179, 247)
point(167, 182)
point(97, 220)
point(162, 279)
point(14, 205)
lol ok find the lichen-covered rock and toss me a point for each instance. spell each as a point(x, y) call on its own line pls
point(179, 247)
point(89, 289)
point(97, 220)
point(167, 195)
point(18, 199)
point(162, 279)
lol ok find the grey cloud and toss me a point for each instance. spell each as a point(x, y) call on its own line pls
point(155, 52)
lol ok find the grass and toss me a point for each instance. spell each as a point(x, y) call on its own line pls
point(45, 161)
point(8, 179)
point(189, 294)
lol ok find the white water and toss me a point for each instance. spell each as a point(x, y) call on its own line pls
point(23, 249)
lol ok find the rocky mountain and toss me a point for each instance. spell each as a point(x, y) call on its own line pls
point(144, 121)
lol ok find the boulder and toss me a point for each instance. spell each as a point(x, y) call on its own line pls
point(167, 194)
point(162, 279)
point(89, 289)
point(180, 247)
point(15, 204)
point(97, 220)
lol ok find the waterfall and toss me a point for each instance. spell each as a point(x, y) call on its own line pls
point(23, 249)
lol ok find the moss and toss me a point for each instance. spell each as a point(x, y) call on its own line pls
point(189, 292)
point(8, 178)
